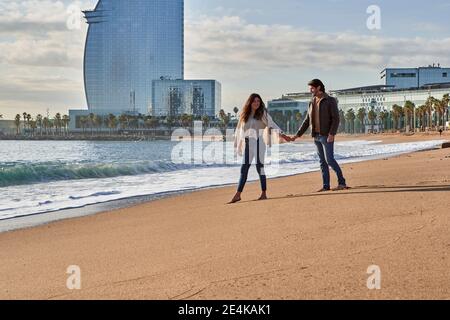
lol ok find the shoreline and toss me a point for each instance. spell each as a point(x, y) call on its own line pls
point(45, 218)
point(137, 138)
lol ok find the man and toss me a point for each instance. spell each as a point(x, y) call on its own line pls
point(323, 118)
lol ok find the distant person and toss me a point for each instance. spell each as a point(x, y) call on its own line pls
point(440, 132)
point(323, 118)
point(251, 133)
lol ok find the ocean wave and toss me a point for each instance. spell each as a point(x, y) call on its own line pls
point(23, 174)
point(20, 174)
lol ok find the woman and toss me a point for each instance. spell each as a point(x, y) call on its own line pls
point(252, 134)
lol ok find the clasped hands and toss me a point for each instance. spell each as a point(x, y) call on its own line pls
point(294, 138)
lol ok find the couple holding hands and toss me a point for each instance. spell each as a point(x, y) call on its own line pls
point(251, 137)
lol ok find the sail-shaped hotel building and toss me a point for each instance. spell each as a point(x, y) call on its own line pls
point(129, 44)
point(134, 63)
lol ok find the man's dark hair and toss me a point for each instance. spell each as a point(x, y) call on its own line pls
point(317, 83)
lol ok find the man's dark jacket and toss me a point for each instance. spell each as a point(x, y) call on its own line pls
point(328, 114)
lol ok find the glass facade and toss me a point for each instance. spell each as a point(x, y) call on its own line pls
point(176, 97)
point(433, 75)
point(415, 77)
point(129, 44)
point(402, 78)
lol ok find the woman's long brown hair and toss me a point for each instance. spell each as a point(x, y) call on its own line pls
point(247, 110)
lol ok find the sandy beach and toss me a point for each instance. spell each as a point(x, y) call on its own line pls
point(297, 245)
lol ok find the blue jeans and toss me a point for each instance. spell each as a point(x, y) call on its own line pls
point(325, 151)
point(254, 149)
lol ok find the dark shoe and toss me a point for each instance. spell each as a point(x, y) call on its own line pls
point(323, 190)
point(341, 187)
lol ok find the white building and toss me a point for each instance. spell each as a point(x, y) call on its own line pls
point(378, 98)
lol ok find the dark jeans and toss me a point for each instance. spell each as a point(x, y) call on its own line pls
point(325, 151)
point(250, 147)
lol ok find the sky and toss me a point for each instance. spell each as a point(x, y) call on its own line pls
point(270, 47)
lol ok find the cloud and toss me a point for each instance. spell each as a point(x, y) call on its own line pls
point(40, 56)
point(230, 43)
point(37, 33)
point(35, 41)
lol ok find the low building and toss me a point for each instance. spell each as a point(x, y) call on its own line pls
point(193, 97)
point(8, 127)
point(75, 119)
point(378, 98)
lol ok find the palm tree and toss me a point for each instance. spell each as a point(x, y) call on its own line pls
point(98, 121)
point(441, 107)
point(372, 117)
point(91, 122)
point(361, 115)
point(236, 111)
point(224, 118)
point(46, 124)
point(83, 122)
point(65, 122)
point(24, 119)
point(298, 117)
point(383, 115)
point(152, 123)
point(58, 123)
point(28, 119)
point(170, 120)
point(350, 117)
point(123, 121)
point(397, 113)
point(420, 115)
point(205, 121)
point(33, 126)
point(39, 123)
point(429, 104)
point(51, 124)
point(17, 123)
point(133, 122)
point(343, 121)
point(184, 120)
point(289, 119)
point(408, 110)
point(445, 102)
point(112, 123)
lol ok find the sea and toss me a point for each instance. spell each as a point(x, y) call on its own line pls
point(42, 177)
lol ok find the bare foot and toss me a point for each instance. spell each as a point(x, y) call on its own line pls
point(341, 187)
point(236, 198)
point(263, 196)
